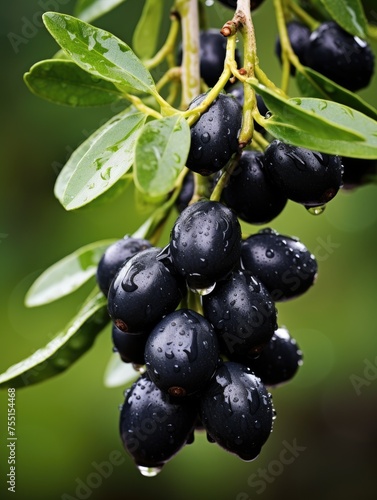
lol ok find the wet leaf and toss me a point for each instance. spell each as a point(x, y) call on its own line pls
point(108, 157)
point(313, 84)
point(64, 349)
point(145, 37)
point(118, 373)
point(66, 275)
point(63, 82)
point(349, 14)
point(161, 153)
point(88, 10)
point(320, 125)
point(99, 52)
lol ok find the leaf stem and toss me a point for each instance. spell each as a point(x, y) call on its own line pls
point(138, 103)
point(152, 228)
point(194, 114)
point(225, 176)
point(287, 54)
point(301, 14)
point(245, 26)
point(189, 15)
point(168, 47)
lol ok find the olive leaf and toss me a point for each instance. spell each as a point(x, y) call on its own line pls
point(145, 36)
point(106, 158)
point(63, 82)
point(118, 373)
point(161, 153)
point(66, 275)
point(319, 125)
point(313, 84)
point(88, 10)
point(349, 14)
point(64, 349)
point(99, 52)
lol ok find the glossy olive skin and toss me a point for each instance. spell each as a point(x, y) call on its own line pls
point(205, 243)
point(214, 136)
point(283, 264)
point(212, 52)
point(341, 57)
point(115, 256)
point(304, 176)
point(232, 4)
point(152, 427)
point(182, 353)
point(237, 411)
point(143, 291)
point(298, 35)
point(242, 313)
point(279, 360)
point(250, 193)
point(129, 346)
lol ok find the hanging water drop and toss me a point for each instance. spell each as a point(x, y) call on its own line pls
point(316, 210)
point(149, 471)
point(204, 291)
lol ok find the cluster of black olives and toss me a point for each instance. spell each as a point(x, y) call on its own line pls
point(262, 182)
point(346, 59)
point(206, 364)
point(198, 317)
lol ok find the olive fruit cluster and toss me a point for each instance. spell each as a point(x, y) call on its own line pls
point(198, 318)
point(346, 59)
point(262, 183)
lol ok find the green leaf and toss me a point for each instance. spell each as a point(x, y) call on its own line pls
point(63, 82)
point(145, 37)
point(111, 194)
point(99, 52)
point(320, 125)
point(74, 159)
point(107, 159)
point(161, 153)
point(88, 10)
point(349, 14)
point(313, 84)
point(118, 373)
point(63, 350)
point(66, 275)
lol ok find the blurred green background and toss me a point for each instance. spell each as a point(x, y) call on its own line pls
point(67, 425)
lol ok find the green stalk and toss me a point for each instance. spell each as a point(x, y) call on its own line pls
point(189, 15)
point(301, 14)
point(168, 47)
point(250, 58)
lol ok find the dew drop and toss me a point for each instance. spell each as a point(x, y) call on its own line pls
point(316, 210)
point(149, 471)
point(270, 253)
point(205, 137)
point(105, 175)
point(169, 354)
point(204, 291)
